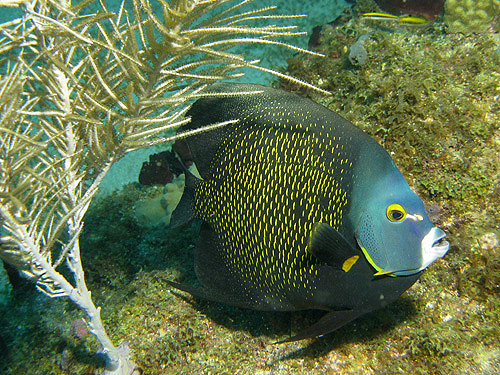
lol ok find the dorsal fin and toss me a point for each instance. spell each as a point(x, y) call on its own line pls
point(213, 110)
point(255, 106)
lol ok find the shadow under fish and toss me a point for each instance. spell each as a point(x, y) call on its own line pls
point(300, 209)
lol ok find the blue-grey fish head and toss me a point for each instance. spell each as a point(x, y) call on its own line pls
point(393, 229)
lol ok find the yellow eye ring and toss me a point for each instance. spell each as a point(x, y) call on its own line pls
point(395, 213)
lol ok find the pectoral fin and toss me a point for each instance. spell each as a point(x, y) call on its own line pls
point(329, 246)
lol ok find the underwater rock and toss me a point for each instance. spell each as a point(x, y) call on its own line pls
point(489, 241)
point(151, 211)
point(162, 167)
point(156, 171)
point(428, 9)
point(357, 52)
point(434, 211)
point(79, 329)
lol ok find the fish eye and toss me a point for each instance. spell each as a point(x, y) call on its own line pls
point(396, 213)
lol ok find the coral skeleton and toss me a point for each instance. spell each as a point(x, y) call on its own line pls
point(81, 86)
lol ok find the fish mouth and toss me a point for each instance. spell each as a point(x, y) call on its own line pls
point(434, 246)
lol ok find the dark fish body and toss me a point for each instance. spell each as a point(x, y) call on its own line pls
point(283, 200)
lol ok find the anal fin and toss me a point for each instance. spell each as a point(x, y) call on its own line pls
point(218, 283)
point(328, 323)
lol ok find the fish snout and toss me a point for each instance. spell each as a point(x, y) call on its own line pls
point(434, 246)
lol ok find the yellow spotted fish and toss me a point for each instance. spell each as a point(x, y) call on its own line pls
point(300, 210)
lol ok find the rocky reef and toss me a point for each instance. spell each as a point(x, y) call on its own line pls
point(430, 9)
point(458, 15)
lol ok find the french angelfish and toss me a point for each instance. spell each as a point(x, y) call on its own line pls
point(300, 209)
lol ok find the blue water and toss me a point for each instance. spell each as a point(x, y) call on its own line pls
point(318, 13)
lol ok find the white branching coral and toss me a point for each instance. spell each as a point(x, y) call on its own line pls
point(82, 87)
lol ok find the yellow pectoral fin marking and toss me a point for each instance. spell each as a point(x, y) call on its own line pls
point(349, 262)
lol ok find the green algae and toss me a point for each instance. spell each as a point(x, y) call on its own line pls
point(421, 94)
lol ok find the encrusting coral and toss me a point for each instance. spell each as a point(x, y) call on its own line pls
point(158, 209)
point(470, 15)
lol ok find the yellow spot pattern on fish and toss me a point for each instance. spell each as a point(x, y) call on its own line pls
point(268, 185)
